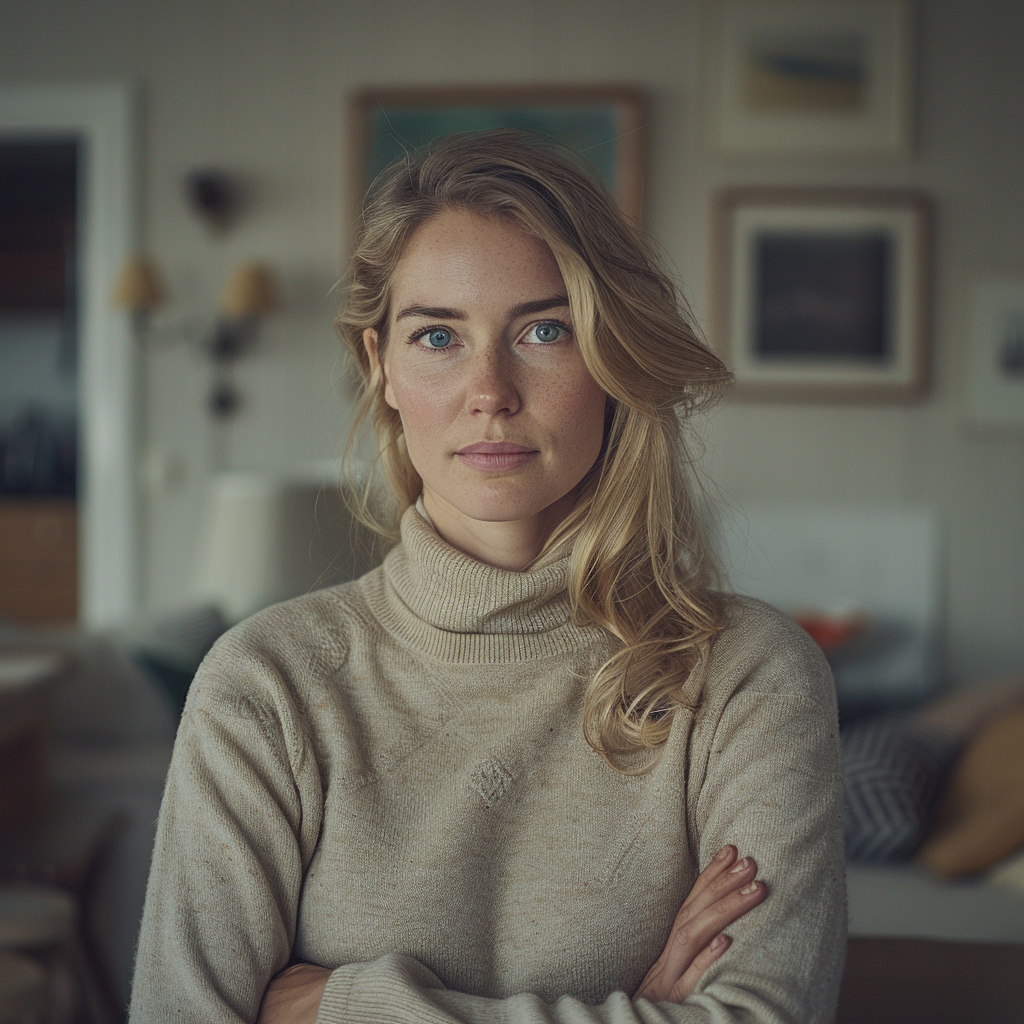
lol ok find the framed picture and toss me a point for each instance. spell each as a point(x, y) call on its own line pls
point(606, 125)
point(822, 294)
point(806, 78)
point(995, 369)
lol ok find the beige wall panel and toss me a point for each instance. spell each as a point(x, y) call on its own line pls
point(258, 88)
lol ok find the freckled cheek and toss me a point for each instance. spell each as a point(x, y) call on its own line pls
point(575, 408)
point(425, 408)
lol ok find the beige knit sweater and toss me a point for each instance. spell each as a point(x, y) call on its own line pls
point(389, 779)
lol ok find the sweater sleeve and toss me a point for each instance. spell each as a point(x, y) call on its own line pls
point(766, 777)
point(773, 788)
point(237, 824)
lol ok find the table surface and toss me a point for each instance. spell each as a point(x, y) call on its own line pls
point(902, 900)
point(22, 668)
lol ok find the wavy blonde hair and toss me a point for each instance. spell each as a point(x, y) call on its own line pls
point(640, 568)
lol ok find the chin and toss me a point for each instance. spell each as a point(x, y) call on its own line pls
point(497, 504)
point(498, 511)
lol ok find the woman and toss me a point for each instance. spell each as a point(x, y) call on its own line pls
point(479, 783)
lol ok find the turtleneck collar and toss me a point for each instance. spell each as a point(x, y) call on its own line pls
point(452, 606)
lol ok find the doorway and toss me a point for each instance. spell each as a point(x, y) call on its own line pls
point(38, 380)
point(90, 407)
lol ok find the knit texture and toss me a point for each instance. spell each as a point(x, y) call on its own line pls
point(389, 778)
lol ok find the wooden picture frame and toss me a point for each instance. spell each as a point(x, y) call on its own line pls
point(822, 294)
point(797, 78)
point(607, 124)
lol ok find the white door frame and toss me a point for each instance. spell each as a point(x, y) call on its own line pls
point(101, 118)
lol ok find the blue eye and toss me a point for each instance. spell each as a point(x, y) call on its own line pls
point(438, 337)
point(548, 332)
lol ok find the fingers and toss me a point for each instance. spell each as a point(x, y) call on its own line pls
point(293, 996)
point(720, 863)
point(728, 875)
point(661, 984)
point(707, 956)
point(724, 891)
point(735, 894)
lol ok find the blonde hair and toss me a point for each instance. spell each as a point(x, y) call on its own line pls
point(639, 567)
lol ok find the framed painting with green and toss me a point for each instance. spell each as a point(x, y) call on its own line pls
point(605, 125)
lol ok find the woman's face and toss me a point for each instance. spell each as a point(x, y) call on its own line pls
point(502, 419)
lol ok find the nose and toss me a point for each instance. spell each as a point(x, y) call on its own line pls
point(492, 387)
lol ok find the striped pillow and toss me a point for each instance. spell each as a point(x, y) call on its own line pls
point(893, 771)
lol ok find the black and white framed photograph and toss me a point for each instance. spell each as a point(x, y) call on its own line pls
point(812, 79)
point(995, 366)
point(821, 293)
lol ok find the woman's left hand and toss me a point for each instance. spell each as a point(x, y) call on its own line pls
point(293, 995)
point(724, 891)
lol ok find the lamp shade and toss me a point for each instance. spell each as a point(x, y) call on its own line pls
point(268, 538)
point(251, 291)
point(138, 286)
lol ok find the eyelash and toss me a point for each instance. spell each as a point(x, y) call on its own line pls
point(558, 323)
point(422, 332)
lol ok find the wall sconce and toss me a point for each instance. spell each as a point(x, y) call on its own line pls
point(251, 292)
point(138, 289)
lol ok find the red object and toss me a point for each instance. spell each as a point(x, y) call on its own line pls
point(831, 631)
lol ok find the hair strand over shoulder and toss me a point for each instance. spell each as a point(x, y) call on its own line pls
point(640, 568)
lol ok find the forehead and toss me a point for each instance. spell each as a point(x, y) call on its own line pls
point(458, 258)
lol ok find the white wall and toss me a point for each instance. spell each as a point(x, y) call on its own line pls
point(258, 87)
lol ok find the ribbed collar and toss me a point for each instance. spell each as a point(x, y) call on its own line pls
point(451, 606)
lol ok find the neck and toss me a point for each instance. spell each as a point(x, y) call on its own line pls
point(511, 545)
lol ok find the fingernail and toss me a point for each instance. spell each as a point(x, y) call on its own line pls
point(739, 866)
point(722, 853)
point(719, 942)
point(748, 889)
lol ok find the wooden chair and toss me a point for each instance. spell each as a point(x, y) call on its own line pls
point(22, 989)
point(64, 852)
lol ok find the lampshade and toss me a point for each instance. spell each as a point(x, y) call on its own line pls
point(138, 287)
point(251, 291)
point(268, 538)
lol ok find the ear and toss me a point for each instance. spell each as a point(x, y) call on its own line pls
point(373, 354)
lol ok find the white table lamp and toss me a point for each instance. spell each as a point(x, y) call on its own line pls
point(269, 538)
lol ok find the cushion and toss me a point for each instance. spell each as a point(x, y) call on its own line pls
point(892, 770)
point(979, 818)
point(170, 647)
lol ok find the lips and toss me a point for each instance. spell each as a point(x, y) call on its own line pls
point(495, 456)
point(494, 448)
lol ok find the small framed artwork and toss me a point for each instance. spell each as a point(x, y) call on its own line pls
point(606, 125)
point(804, 78)
point(822, 294)
point(995, 369)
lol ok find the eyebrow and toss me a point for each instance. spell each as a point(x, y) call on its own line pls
point(517, 311)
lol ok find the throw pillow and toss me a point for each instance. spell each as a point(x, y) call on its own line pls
point(892, 773)
point(979, 819)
